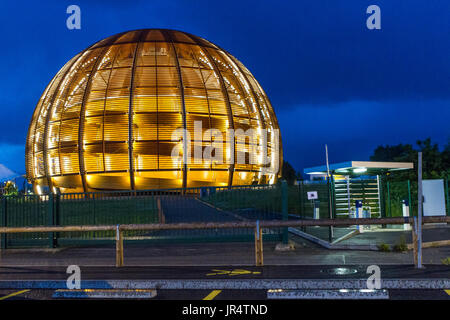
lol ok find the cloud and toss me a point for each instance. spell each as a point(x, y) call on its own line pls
point(13, 157)
point(354, 129)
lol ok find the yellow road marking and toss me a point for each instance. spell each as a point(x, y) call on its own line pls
point(448, 291)
point(234, 272)
point(212, 295)
point(13, 294)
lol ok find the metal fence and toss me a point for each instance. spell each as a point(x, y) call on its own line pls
point(396, 192)
point(257, 228)
point(186, 205)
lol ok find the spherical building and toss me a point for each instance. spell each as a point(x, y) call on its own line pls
point(107, 119)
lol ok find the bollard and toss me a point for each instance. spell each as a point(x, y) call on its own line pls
point(358, 215)
point(258, 245)
point(119, 247)
point(316, 209)
point(405, 212)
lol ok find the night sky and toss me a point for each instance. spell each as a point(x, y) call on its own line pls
point(330, 79)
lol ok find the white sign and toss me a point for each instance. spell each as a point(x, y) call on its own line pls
point(312, 195)
point(434, 197)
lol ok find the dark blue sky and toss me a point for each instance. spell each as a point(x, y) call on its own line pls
point(330, 79)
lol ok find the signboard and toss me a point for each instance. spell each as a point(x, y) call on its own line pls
point(434, 197)
point(312, 195)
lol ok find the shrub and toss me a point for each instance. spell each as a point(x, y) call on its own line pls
point(384, 247)
point(401, 245)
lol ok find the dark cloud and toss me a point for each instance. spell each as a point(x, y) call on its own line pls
point(304, 53)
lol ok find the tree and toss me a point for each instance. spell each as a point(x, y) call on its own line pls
point(435, 164)
point(10, 189)
point(289, 174)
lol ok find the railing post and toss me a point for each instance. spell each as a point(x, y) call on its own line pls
point(51, 219)
point(284, 209)
point(3, 222)
point(419, 211)
point(415, 242)
point(119, 247)
point(161, 216)
point(258, 245)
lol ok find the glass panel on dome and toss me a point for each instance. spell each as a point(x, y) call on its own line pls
point(165, 56)
point(147, 54)
point(130, 36)
point(154, 35)
point(125, 55)
point(180, 37)
point(185, 55)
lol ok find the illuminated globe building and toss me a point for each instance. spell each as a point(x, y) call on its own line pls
point(106, 120)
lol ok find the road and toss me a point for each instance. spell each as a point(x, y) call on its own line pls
point(228, 282)
point(328, 272)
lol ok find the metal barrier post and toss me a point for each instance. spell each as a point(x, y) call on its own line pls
point(258, 245)
point(358, 214)
point(406, 213)
point(419, 211)
point(119, 247)
point(284, 209)
point(316, 214)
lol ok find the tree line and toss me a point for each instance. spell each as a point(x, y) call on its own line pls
point(435, 162)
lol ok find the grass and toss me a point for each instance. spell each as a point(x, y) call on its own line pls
point(384, 247)
point(401, 245)
point(446, 261)
point(269, 199)
point(32, 211)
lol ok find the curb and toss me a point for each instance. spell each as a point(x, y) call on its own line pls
point(243, 284)
point(329, 294)
point(330, 246)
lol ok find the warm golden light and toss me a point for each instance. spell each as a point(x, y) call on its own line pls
point(106, 120)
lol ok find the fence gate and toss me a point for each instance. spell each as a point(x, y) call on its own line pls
point(348, 190)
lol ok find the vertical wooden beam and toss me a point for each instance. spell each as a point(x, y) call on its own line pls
point(119, 247)
point(259, 259)
point(414, 240)
point(161, 216)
